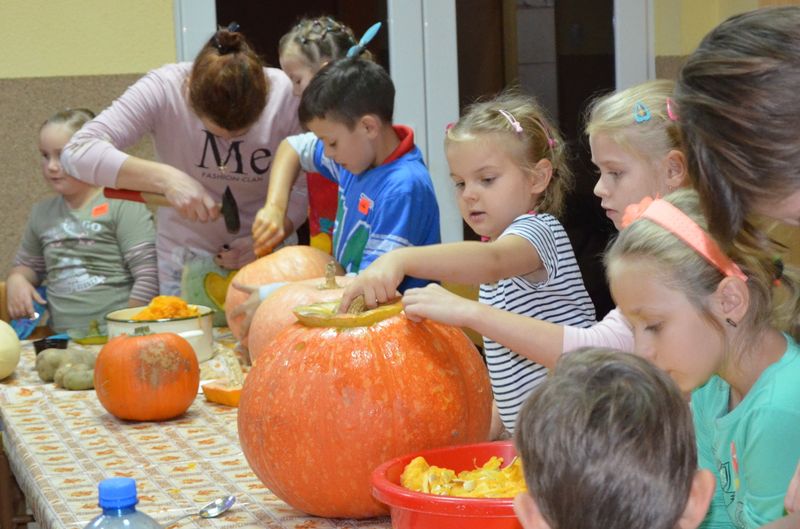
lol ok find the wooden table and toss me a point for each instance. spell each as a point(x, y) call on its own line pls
point(60, 444)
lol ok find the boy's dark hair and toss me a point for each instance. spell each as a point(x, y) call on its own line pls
point(607, 441)
point(346, 90)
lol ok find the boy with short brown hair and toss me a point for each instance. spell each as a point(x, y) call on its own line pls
point(607, 442)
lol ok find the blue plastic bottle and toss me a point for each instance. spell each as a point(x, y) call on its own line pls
point(118, 501)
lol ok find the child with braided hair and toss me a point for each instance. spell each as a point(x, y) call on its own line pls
point(303, 51)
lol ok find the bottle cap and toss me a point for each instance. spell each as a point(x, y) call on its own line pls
point(117, 493)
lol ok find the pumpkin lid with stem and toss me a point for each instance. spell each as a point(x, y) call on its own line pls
point(327, 314)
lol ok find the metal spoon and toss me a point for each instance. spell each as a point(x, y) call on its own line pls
point(212, 510)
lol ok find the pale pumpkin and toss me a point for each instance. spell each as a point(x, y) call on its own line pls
point(275, 312)
point(326, 405)
point(9, 350)
point(290, 263)
point(147, 378)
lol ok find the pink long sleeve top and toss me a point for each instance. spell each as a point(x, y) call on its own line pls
point(613, 331)
point(157, 104)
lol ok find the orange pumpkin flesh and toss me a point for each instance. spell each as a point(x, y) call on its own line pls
point(221, 392)
point(275, 312)
point(327, 405)
point(147, 378)
point(290, 263)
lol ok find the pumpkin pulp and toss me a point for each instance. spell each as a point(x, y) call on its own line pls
point(327, 314)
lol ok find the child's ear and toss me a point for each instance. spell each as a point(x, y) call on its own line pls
point(371, 124)
point(677, 173)
point(528, 512)
point(732, 299)
point(541, 174)
point(703, 487)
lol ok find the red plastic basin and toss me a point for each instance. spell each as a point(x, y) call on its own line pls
point(417, 510)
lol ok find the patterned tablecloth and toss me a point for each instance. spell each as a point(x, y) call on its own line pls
point(60, 444)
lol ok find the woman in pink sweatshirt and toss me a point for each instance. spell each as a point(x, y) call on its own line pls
point(215, 123)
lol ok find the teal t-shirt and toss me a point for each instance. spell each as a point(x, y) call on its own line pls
point(82, 251)
point(754, 448)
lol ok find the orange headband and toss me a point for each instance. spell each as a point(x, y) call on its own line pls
point(679, 224)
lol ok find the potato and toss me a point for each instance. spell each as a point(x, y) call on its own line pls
point(47, 362)
point(50, 360)
point(75, 376)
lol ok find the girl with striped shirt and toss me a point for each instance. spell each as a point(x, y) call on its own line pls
point(509, 169)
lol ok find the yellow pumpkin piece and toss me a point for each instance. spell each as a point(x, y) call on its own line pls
point(488, 481)
point(326, 315)
point(220, 392)
point(165, 307)
point(216, 287)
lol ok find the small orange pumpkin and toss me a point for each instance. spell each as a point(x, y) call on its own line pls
point(275, 312)
point(325, 405)
point(290, 263)
point(146, 378)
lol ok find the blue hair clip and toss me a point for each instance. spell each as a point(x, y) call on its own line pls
point(641, 112)
point(358, 49)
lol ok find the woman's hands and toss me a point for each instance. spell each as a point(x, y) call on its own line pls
point(235, 255)
point(188, 196)
point(377, 283)
point(21, 295)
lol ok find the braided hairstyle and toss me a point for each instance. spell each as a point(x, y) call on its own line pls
point(319, 40)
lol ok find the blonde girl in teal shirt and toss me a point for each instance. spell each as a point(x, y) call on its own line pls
point(711, 322)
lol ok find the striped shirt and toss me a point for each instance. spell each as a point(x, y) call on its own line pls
point(561, 298)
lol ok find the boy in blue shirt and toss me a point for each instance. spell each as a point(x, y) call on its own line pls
point(386, 197)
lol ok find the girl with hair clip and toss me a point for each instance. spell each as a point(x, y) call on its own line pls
point(302, 52)
point(95, 254)
point(710, 320)
point(636, 147)
point(216, 123)
point(509, 169)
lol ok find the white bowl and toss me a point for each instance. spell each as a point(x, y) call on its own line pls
point(120, 322)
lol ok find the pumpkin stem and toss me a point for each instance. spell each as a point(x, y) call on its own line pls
point(330, 277)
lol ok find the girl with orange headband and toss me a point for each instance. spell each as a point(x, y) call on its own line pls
point(711, 321)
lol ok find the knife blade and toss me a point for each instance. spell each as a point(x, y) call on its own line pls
point(229, 208)
point(230, 211)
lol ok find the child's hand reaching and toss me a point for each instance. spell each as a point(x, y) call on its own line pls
point(269, 229)
point(249, 307)
point(377, 283)
point(436, 303)
point(21, 295)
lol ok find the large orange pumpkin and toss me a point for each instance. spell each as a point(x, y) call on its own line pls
point(290, 263)
point(325, 406)
point(146, 378)
point(275, 312)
